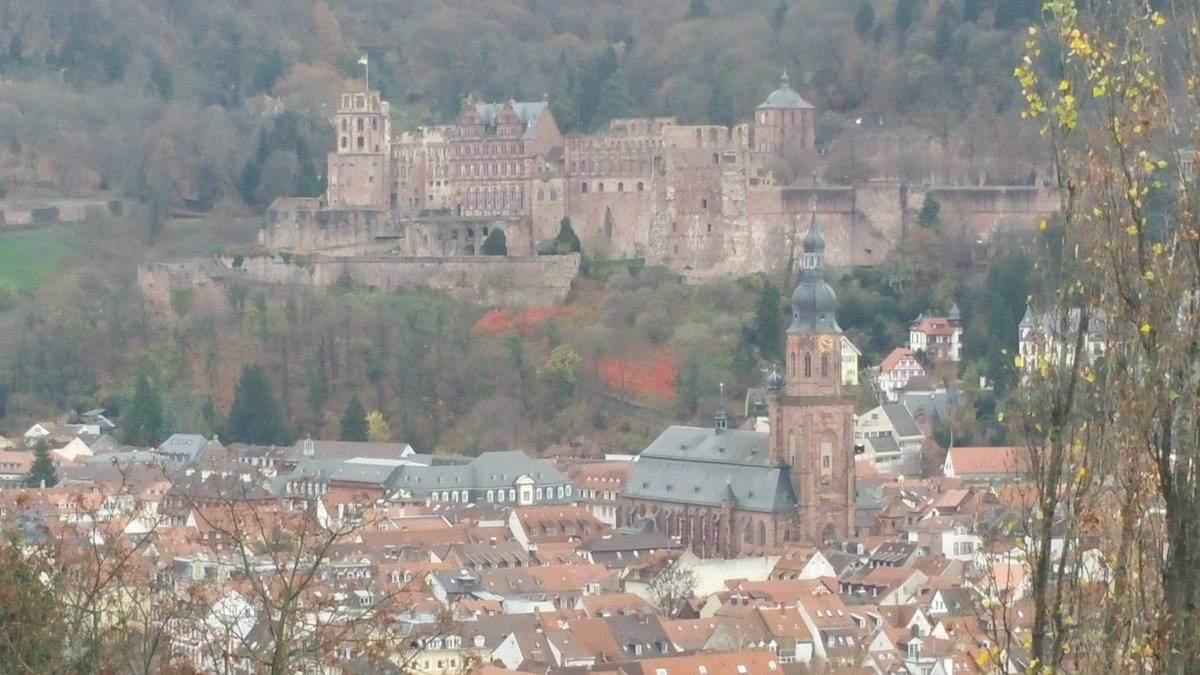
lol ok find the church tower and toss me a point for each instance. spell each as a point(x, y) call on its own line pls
point(811, 417)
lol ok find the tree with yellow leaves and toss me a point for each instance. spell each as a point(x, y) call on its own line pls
point(1108, 408)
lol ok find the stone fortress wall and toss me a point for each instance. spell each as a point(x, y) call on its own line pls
point(213, 284)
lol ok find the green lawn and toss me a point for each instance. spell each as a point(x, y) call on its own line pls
point(30, 258)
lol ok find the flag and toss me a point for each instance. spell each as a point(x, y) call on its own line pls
point(363, 60)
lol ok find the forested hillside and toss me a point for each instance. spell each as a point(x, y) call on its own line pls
point(214, 109)
point(175, 100)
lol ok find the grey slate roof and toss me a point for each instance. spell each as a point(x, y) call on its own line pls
point(490, 470)
point(936, 404)
point(697, 465)
point(528, 111)
point(188, 447)
point(884, 445)
point(901, 419)
point(784, 97)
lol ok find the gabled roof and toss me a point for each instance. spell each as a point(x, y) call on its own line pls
point(998, 462)
point(893, 359)
point(697, 465)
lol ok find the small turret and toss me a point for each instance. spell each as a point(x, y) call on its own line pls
point(721, 419)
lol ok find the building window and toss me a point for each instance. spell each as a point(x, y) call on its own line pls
point(641, 186)
point(583, 188)
point(824, 365)
point(620, 187)
point(539, 494)
point(512, 495)
point(808, 365)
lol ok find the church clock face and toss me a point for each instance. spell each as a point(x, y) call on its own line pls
point(826, 342)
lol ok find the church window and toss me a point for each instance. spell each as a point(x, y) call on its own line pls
point(808, 365)
point(824, 365)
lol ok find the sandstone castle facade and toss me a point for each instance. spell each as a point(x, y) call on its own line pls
point(698, 198)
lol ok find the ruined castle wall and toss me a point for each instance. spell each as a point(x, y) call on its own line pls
point(210, 283)
point(547, 207)
point(453, 237)
point(302, 226)
point(612, 218)
point(973, 211)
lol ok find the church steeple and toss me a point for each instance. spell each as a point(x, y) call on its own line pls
point(814, 303)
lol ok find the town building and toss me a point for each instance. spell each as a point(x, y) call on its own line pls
point(938, 337)
point(895, 371)
point(719, 490)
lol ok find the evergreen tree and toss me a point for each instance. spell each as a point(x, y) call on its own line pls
point(354, 422)
point(698, 9)
point(768, 322)
point(780, 16)
point(254, 415)
point(566, 241)
point(720, 101)
point(930, 214)
point(613, 100)
point(495, 244)
point(142, 422)
point(864, 19)
point(42, 473)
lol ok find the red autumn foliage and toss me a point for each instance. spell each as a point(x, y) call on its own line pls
point(647, 377)
point(502, 320)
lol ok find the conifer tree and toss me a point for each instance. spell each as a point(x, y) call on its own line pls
point(142, 422)
point(254, 415)
point(354, 422)
point(42, 473)
point(495, 244)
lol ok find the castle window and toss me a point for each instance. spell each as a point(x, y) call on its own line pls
point(360, 124)
point(541, 196)
point(620, 187)
point(708, 227)
point(553, 195)
point(583, 188)
point(345, 142)
point(641, 186)
point(345, 127)
point(716, 158)
point(361, 142)
point(374, 123)
point(808, 365)
point(704, 203)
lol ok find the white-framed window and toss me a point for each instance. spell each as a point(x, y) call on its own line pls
point(539, 494)
point(490, 496)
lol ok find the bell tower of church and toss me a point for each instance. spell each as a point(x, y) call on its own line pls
point(811, 417)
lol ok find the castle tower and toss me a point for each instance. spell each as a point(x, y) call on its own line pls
point(360, 165)
point(811, 417)
point(784, 122)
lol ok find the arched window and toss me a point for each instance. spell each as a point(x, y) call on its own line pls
point(824, 365)
point(553, 195)
point(541, 196)
point(620, 187)
point(641, 186)
point(465, 496)
point(807, 365)
point(512, 494)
